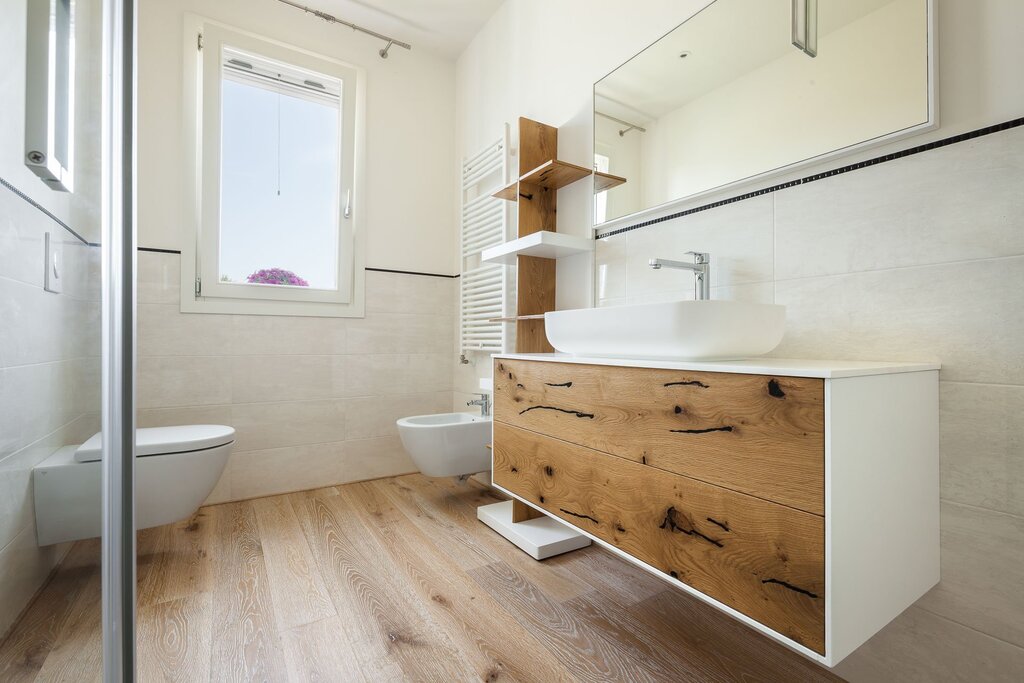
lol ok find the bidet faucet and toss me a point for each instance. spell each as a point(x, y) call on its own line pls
point(701, 268)
point(484, 402)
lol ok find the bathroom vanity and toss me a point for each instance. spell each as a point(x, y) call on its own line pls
point(801, 497)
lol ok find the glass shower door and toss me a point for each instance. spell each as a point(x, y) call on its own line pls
point(63, 324)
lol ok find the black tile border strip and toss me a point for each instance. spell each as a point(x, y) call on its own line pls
point(411, 272)
point(154, 250)
point(43, 209)
point(988, 130)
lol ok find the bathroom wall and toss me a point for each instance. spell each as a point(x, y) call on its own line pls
point(49, 382)
point(314, 400)
point(410, 216)
point(49, 343)
point(919, 258)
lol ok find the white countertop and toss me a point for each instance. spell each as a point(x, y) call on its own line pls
point(825, 369)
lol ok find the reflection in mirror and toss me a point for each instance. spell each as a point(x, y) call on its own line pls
point(50, 91)
point(730, 95)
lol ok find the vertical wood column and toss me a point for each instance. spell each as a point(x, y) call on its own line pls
point(535, 293)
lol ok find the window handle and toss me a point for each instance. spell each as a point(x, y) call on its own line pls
point(348, 204)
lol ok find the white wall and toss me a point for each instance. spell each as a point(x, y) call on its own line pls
point(410, 216)
point(918, 258)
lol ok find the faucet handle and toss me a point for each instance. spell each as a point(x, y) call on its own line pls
point(699, 256)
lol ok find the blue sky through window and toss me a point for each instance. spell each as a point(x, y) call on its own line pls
point(279, 184)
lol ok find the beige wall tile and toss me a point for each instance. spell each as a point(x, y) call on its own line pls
point(982, 582)
point(982, 446)
point(375, 416)
point(946, 313)
point(165, 331)
point(169, 381)
point(159, 278)
point(951, 204)
point(310, 466)
point(262, 379)
point(23, 568)
point(186, 415)
point(738, 236)
point(401, 293)
point(260, 426)
point(920, 647)
point(401, 333)
point(397, 374)
point(268, 335)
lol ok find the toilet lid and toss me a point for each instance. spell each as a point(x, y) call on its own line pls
point(164, 441)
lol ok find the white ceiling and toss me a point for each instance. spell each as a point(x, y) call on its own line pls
point(442, 26)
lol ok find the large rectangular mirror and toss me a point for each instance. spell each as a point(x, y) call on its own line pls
point(748, 88)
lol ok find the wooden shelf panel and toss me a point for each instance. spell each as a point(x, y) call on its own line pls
point(517, 318)
point(606, 181)
point(541, 244)
point(555, 174)
point(508, 192)
point(551, 175)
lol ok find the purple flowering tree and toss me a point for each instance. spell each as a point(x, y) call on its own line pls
point(276, 276)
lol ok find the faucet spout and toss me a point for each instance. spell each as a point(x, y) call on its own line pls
point(701, 269)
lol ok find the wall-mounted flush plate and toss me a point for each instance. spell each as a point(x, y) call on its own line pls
point(53, 278)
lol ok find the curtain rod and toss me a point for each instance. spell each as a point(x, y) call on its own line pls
point(632, 126)
point(355, 27)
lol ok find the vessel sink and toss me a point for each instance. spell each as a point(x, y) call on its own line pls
point(675, 330)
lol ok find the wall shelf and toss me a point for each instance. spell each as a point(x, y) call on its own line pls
point(551, 175)
point(517, 318)
point(540, 244)
point(606, 181)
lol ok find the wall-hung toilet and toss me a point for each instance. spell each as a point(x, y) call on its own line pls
point(176, 469)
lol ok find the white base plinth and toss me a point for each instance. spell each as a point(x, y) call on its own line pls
point(539, 538)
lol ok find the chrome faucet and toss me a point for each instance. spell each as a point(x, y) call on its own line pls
point(484, 402)
point(701, 268)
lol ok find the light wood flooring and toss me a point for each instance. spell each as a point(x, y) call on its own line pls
point(389, 580)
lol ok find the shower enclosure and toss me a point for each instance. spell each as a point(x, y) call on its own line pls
point(66, 329)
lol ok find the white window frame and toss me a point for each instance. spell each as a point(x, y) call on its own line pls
point(201, 290)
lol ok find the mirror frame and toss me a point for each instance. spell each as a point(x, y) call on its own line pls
point(755, 181)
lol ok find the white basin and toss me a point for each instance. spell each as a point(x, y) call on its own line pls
point(676, 330)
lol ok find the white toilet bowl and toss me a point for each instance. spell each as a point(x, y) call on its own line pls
point(447, 444)
point(176, 469)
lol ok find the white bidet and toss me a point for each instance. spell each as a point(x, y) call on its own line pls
point(447, 444)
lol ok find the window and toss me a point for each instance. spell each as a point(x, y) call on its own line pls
point(276, 186)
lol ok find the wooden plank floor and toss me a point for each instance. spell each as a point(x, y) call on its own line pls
point(390, 580)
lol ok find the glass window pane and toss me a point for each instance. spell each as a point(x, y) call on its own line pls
point(279, 186)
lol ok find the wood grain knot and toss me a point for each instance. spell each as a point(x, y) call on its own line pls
point(774, 390)
point(671, 522)
point(580, 516)
point(577, 413)
point(791, 587)
point(708, 430)
point(688, 383)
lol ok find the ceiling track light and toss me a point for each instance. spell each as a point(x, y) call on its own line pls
point(331, 19)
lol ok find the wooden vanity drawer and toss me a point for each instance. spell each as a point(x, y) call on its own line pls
point(760, 558)
point(760, 435)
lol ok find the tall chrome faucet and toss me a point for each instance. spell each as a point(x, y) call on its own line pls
point(484, 402)
point(701, 268)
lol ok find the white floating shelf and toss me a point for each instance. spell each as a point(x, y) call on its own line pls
point(543, 244)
